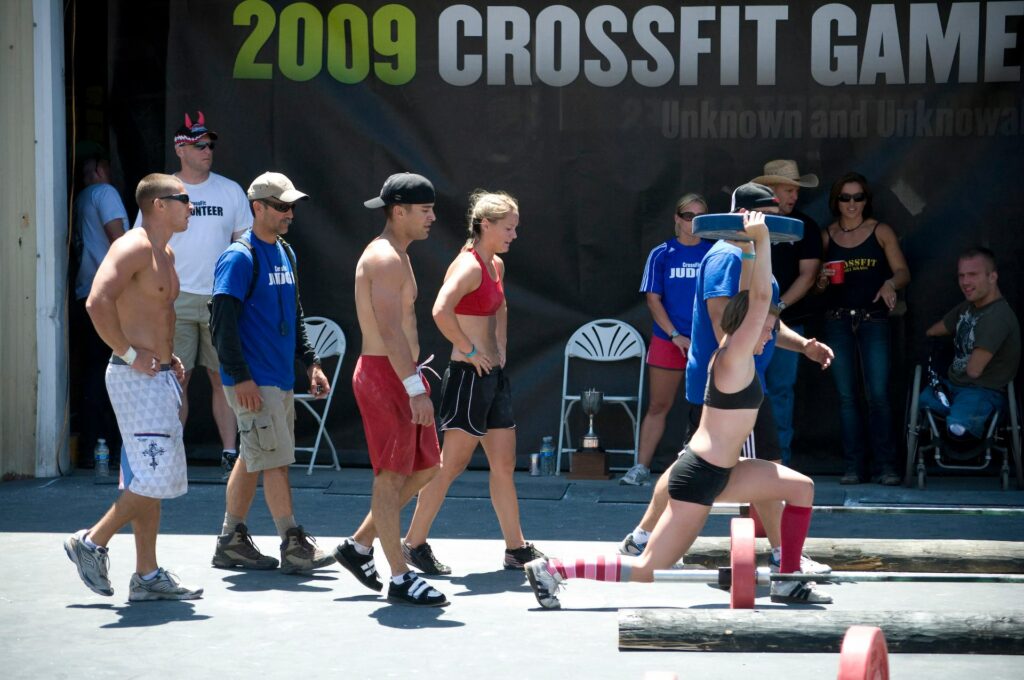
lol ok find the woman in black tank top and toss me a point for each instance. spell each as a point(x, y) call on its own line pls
point(709, 466)
point(858, 299)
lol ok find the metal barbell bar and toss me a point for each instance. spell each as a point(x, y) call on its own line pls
point(742, 576)
point(738, 509)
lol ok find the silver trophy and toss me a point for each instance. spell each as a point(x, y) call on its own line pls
point(590, 402)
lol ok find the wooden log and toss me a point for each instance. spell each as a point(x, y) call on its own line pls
point(856, 554)
point(738, 630)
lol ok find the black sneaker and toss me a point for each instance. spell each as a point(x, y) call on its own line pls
point(361, 566)
point(413, 591)
point(518, 557)
point(422, 558)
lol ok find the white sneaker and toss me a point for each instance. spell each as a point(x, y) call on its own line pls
point(163, 586)
point(807, 566)
point(630, 546)
point(638, 475)
point(798, 592)
point(545, 584)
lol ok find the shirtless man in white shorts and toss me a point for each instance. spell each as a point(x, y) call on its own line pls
point(132, 307)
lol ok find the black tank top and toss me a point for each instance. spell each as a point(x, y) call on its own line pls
point(748, 398)
point(866, 270)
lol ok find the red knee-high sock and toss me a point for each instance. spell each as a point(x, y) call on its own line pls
point(600, 568)
point(795, 521)
point(759, 531)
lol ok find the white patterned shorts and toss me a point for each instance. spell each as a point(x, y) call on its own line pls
point(153, 459)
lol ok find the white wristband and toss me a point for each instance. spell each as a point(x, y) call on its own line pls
point(414, 385)
point(129, 356)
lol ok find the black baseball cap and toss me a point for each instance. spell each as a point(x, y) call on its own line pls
point(753, 196)
point(403, 187)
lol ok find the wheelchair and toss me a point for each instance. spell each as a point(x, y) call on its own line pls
point(926, 435)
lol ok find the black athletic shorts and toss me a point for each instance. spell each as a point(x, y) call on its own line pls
point(694, 480)
point(473, 403)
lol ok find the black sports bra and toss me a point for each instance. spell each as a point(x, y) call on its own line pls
point(749, 397)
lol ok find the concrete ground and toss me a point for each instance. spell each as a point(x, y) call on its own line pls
point(275, 626)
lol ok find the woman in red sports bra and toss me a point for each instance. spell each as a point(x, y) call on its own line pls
point(476, 400)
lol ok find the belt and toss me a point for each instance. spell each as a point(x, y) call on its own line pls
point(118, 361)
point(858, 315)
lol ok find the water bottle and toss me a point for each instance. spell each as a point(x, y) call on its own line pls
point(547, 456)
point(101, 456)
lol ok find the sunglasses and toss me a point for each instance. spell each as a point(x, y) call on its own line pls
point(856, 198)
point(688, 216)
point(205, 145)
point(279, 207)
point(180, 198)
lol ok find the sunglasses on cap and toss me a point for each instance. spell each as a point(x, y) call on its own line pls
point(277, 205)
point(688, 215)
point(180, 198)
point(205, 145)
point(856, 198)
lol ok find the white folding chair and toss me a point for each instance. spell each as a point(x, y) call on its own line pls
point(328, 340)
point(603, 340)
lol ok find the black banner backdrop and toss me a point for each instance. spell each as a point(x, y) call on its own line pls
point(596, 118)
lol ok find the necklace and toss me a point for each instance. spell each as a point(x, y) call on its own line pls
point(847, 231)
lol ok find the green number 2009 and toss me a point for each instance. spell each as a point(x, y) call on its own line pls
point(348, 42)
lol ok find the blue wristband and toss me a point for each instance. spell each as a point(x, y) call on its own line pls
point(471, 353)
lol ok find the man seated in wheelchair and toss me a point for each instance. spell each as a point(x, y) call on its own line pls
point(986, 346)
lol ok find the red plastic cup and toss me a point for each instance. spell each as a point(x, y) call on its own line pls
point(836, 271)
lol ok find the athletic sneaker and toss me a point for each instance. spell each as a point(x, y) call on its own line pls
point(413, 591)
point(227, 462)
point(807, 565)
point(545, 584)
point(163, 586)
point(237, 550)
point(361, 566)
point(422, 558)
point(798, 592)
point(517, 558)
point(638, 475)
point(93, 563)
point(300, 554)
point(631, 547)
point(850, 478)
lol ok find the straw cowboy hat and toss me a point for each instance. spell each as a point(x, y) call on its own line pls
point(785, 172)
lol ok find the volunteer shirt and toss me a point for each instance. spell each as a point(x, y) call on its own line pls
point(671, 272)
point(96, 205)
point(219, 210)
point(269, 353)
point(718, 276)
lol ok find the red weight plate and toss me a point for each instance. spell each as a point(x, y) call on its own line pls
point(741, 559)
point(864, 655)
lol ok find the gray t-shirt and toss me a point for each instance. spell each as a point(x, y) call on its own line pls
point(993, 328)
point(96, 205)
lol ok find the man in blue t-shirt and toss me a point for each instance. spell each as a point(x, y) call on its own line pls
point(717, 281)
point(258, 331)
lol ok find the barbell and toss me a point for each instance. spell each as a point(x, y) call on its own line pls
point(741, 510)
point(742, 576)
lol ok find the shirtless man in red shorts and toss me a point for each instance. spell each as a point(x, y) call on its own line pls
point(393, 398)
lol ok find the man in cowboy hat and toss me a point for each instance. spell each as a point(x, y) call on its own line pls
point(220, 214)
point(795, 266)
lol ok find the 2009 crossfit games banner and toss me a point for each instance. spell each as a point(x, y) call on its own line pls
point(598, 117)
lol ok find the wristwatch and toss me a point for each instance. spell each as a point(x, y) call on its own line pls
point(782, 305)
point(674, 334)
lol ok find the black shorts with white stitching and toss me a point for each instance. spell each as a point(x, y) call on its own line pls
point(474, 403)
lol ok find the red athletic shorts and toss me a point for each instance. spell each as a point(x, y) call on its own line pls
point(665, 354)
point(395, 442)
